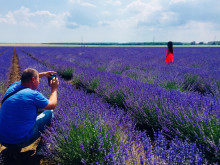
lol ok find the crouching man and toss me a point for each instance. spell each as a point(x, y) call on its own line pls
point(20, 124)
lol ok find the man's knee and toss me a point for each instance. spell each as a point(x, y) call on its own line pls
point(48, 114)
point(44, 119)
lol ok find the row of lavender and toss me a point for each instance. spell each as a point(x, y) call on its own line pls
point(188, 115)
point(88, 130)
point(195, 69)
point(5, 61)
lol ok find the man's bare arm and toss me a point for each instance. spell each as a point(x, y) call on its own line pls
point(46, 74)
point(53, 96)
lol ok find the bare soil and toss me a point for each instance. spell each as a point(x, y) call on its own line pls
point(15, 69)
point(27, 155)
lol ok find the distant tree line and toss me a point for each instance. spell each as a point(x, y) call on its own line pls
point(214, 43)
point(138, 43)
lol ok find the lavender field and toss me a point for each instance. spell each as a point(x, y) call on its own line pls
point(125, 105)
point(5, 61)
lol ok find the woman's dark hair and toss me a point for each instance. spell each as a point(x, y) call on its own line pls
point(170, 46)
point(28, 74)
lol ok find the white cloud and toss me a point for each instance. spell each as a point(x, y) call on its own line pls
point(140, 11)
point(167, 17)
point(24, 17)
point(114, 2)
point(87, 4)
point(74, 1)
point(199, 28)
point(141, 6)
point(106, 13)
point(44, 13)
point(114, 20)
point(82, 3)
point(8, 19)
point(140, 17)
point(176, 1)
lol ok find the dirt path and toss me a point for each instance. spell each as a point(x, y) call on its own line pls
point(15, 69)
point(27, 155)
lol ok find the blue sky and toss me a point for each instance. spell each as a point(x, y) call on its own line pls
point(40, 21)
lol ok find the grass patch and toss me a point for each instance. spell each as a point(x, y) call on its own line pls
point(172, 86)
point(101, 68)
point(117, 98)
point(133, 76)
point(88, 143)
point(117, 72)
point(2, 87)
point(196, 83)
point(93, 85)
point(66, 74)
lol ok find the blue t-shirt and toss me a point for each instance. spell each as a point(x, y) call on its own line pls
point(18, 114)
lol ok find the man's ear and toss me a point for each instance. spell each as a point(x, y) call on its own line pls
point(32, 79)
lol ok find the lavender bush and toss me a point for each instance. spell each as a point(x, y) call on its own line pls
point(5, 61)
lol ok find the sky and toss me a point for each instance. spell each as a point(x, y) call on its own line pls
point(51, 21)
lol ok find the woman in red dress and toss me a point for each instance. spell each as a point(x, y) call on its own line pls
point(169, 55)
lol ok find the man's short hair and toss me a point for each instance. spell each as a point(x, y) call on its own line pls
point(28, 74)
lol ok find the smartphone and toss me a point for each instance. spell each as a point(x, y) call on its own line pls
point(50, 78)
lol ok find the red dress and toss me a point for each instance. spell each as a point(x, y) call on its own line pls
point(169, 57)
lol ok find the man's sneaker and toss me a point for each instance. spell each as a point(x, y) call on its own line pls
point(40, 149)
point(11, 153)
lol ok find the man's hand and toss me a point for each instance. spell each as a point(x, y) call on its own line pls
point(53, 96)
point(47, 74)
point(54, 84)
